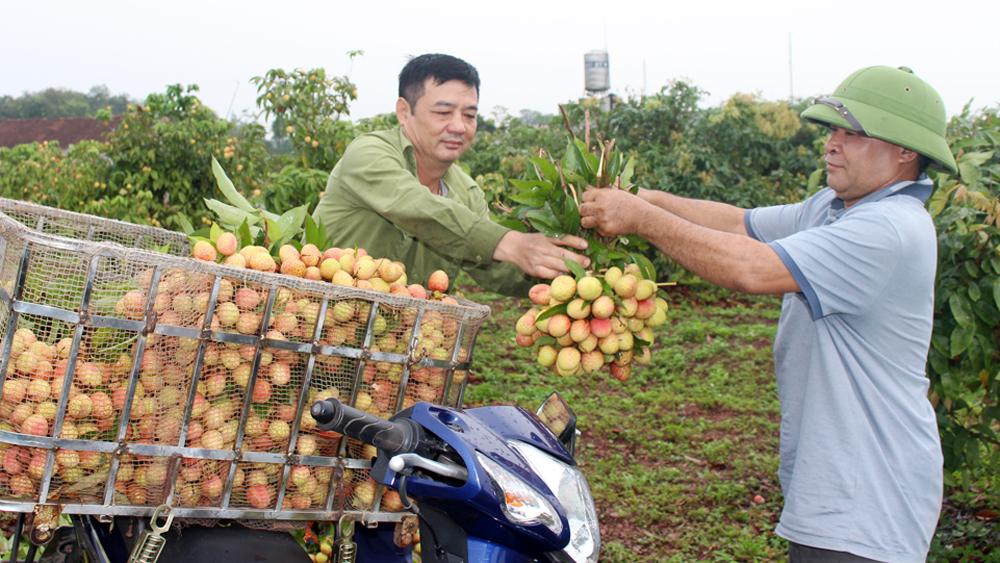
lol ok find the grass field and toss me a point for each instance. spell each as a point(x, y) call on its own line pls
point(682, 458)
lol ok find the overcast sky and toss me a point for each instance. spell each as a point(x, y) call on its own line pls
point(529, 54)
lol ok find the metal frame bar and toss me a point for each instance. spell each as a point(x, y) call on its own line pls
point(404, 378)
point(43, 492)
point(272, 296)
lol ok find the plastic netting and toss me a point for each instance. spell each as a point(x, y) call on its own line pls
point(134, 376)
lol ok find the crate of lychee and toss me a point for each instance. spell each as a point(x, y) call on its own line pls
point(134, 375)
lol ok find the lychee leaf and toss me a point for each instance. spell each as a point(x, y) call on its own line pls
point(512, 224)
point(287, 226)
point(215, 232)
point(645, 266)
point(228, 189)
point(554, 310)
point(543, 222)
point(625, 178)
point(315, 233)
point(185, 224)
point(245, 234)
point(533, 198)
point(228, 215)
point(546, 340)
point(577, 269)
point(545, 170)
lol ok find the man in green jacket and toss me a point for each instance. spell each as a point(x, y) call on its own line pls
point(399, 194)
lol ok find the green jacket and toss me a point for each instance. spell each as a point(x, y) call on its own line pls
point(374, 200)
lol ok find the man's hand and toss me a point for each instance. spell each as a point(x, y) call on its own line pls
point(538, 255)
point(612, 211)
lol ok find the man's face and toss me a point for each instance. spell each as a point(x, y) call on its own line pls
point(442, 126)
point(857, 165)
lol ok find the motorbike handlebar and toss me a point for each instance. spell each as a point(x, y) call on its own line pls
point(394, 437)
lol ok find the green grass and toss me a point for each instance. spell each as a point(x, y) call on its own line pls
point(676, 455)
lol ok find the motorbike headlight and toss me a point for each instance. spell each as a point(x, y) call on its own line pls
point(521, 504)
point(570, 487)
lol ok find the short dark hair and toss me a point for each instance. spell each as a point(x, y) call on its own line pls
point(923, 162)
point(441, 68)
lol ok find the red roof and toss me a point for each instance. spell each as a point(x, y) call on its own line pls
point(66, 130)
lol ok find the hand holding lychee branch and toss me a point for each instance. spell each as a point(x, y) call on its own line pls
point(549, 200)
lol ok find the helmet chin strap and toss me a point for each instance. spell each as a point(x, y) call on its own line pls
point(841, 109)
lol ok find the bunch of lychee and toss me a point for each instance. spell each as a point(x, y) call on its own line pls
point(584, 325)
point(342, 266)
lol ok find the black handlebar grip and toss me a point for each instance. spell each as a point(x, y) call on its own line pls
point(394, 437)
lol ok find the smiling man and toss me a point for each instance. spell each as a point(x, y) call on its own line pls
point(400, 194)
point(861, 462)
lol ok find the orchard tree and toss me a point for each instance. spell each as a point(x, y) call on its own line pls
point(964, 360)
point(310, 107)
point(165, 147)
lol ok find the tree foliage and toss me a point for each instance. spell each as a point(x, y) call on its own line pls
point(308, 108)
point(59, 102)
point(964, 363)
point(165, 146)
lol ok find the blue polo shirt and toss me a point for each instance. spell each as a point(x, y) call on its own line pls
point(861, 463)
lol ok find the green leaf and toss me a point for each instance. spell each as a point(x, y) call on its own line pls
point(530, 198)
point(577, 269)
point(512, 224)
point(578, 159)
point(547, 171)
point(645, 265)
point(245, 235)
point(315, 233)
point(938, 200)
point(814, 179)
point(215, 232)
point(996, 292)
point(976, 158)
point(543, 222)
point(545, 340)
point(287, 226)
point(961, 338)
point(228, 215)
point(185, 224)
point(974, 292)
point(227, 188)
point(528, 185)
point(554, 310)
point(961, 310)
point(569, 217)
point(627, 173)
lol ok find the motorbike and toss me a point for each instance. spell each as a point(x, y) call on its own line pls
point(496, 483)
point(489, 484)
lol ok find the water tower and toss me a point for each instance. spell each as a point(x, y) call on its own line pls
point(597, 77)
point(596, 74)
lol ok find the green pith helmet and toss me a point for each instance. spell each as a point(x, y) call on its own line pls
point(889, 104)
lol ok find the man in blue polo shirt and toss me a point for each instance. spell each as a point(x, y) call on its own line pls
point(861, 463)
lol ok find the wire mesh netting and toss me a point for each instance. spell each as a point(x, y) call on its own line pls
point(133, 375)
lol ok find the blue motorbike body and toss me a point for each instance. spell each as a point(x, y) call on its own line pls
point(475, 506)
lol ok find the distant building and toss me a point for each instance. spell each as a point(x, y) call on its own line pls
point(65, 130)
